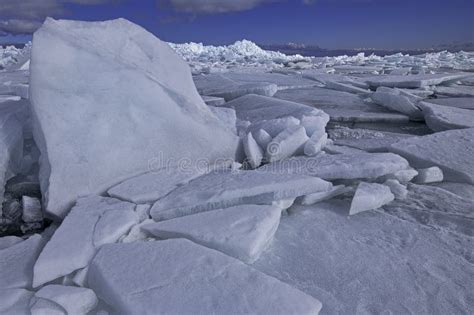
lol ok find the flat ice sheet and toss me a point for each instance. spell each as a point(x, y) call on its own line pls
point(242, 231)
point(371, 263)
point(180, 277)
point(452, 151)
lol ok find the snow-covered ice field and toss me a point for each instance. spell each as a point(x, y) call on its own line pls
point(144, 177)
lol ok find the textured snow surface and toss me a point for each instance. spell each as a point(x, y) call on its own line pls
point(371, 262)
point(143, 95)
point(180, 277)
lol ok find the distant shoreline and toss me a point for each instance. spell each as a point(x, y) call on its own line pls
point(321, 52)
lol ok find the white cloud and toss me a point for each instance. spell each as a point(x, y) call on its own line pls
point(25, 16)
point(212, 6)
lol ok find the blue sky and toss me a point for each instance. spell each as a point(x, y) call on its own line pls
point(382, 24)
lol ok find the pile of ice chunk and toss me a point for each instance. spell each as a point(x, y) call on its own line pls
point(12, 57)
point(240, 53)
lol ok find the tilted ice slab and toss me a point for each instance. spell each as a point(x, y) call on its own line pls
point(460, 102)
point(369, 197)
point(318, 197)
point(218, 85)
point(341, 106)
point(429, 175)
point(133, 100)
point(365, 139)
point(149, 187)
point(229, 188)
point(441, 118)
point(340, 166)
point(16, 263)
point(73, 300)
point(255, 108)
point(344, 87)
point(253, 151)
point(452, 151)
point(455, 91)
point(414, 81)
point(398, 101)
point(286, 144)
point(281, 80)
point(180, 277)
point(242, 231)
point(92, 222)
point(213, 100)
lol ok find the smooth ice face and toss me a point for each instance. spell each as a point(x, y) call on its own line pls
point(340, 166)
point(311, 199)
point(92, 222)
point(72, 299)
point(369, 197)
point(315, 144)
point(454, 91)
point(15, 301)
point(365, 139)
point(429, 175)
point(441, 118)
point(242, 231)
point(344, 87)
point(221, 86)
point(213, 100)
point(253, 151)
point(452, 151)
point(180, 277)
point(459, 102)
point(414, 81)
point(255, 108)
point(154, 185)
point(286, 144)
point(341, 106)
point(398, 101)
point(123, 111)
point(16, 263)
point(398, 190)
point(229, 188)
